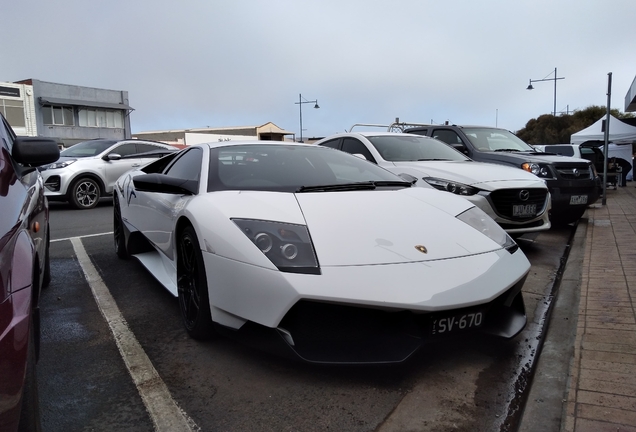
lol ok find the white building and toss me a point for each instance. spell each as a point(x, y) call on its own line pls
point(18, 107)
point(266, 132)
point(66, 113)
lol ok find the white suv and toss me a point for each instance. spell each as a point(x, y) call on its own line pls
point(88, 170)
point(517, 200)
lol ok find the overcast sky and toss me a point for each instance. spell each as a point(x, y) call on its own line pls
point(190, 64)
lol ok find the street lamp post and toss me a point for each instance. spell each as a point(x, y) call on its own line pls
point(301, 101)
point(548, 79)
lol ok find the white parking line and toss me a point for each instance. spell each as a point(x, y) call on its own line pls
point(164, 412)
point(84, 236)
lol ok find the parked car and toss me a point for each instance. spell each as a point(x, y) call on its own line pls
point(88, 170)
point(317, 253)
point(573, 183)
point(24, 270)
point(617, 167)
point(518, 201)
point(582, 151)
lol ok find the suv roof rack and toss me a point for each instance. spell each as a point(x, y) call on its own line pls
point(396, 126)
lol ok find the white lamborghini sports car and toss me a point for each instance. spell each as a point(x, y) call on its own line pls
point(316, 253)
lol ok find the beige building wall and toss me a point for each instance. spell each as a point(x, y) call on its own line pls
point(18, 106)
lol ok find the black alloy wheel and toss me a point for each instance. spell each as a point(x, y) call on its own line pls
point(118, 231)
point(84, 193)
point(192, 287)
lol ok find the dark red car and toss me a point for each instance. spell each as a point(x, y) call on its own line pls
point(24, 270)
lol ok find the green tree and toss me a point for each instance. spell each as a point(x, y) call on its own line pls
point(548, 129)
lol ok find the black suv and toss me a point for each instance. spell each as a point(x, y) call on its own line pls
point(573, 182)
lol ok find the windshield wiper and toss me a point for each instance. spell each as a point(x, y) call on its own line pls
point(338, 187)
point(369, 185)
point(432, 159)
point(389, 183)
point(507, 150)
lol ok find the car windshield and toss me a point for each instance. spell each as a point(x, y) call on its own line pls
point(87, 148)
point(400, 148)
point(495, 140)
point(291, 168)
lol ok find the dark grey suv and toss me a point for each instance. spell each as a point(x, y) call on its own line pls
point(573, 183)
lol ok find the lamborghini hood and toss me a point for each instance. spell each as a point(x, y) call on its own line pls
point(389, 227)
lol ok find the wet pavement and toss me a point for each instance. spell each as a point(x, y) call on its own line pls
point(586, 376)
point(584, 380)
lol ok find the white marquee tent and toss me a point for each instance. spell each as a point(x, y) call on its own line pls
point(619, 132)
point(621, 136)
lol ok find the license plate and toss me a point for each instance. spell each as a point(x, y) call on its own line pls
point(524, 210)
point(578, 199)
point(456, 323)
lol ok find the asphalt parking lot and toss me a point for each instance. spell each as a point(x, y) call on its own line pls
point(85, 383)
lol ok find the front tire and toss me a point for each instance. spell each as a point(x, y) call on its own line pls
point(192, 287)
point(118, 231)
point(84, 193)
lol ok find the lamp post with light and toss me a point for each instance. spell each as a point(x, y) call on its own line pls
point(548, 79)
point(301, 101)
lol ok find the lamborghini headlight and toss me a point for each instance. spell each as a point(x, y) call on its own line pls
point(288, 246)
point(451, 186)
point(476, 218)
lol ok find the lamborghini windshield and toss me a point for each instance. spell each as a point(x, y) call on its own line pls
point(293, 168)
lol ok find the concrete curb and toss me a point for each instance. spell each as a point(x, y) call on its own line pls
point(546, 402)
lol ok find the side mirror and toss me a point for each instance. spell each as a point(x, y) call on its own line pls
point(408, 177)
point(35, 151)
point(112, 156)
point(165, 184)
point(460, 147)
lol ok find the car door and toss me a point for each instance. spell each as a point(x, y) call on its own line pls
point(451, 138)
point(114, 168)
point(594, 155)
point(157, 211)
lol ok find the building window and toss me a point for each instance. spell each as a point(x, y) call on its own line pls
point(58, 115)
point(89, 117)
point(13, 111)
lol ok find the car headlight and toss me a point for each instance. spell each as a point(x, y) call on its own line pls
point(476, 218)
point(537, 169)
point(288, 246)
point(450, 186)
point(56, 165)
